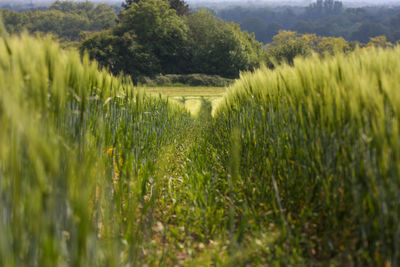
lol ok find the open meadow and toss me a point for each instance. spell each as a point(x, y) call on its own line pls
point(191, 97)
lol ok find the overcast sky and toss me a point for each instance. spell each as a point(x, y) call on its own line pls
point(216, 1)
point(243, 2)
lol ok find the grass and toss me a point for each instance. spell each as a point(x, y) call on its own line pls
point(190, 96)
point(186, 91)
point(320, 146)
point(297, 166)
point(80, 154)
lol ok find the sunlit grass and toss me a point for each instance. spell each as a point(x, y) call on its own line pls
point(297, 166)
point(320, 147)
point(190, 96)
point(186, 91)
point(79, 157)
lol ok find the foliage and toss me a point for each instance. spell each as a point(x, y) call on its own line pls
point(150, 39)
point(323, 17)
point(179, 6)
point(287, 45)
point(162, 42)
point(330, 45)
point(323, 8)
point(65, 19)
point(379, 41)
point(65, 25)
point(260, 29)
point(159, 30)
point(368, 30)
point(221, 48)
point(121, 53)
point(127, 3)
point(187, 79)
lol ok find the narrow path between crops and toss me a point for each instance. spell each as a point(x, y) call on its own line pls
point(191, 218)
point(173, 233)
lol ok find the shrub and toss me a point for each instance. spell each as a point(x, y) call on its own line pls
point(188, 79)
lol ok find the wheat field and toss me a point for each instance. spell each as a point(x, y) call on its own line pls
point(296, 166)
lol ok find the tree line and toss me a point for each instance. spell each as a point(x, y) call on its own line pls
point(157, 36)
point(64, 19)
point(148, 38)
point(323, 18)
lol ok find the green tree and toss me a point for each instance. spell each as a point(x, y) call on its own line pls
point(379, 41)
point(101, 17)
point(64, 19)
point(324, 7)
point(272, 30)
point(179, 5)
point(64, 25)
point(368, 30)
point(395, 22)
point(287, 45)
point(14, 21)
point(331, 45)
point(128, 3)
point(121, 53)
point(255, 25)
point(150, 39)
point(70, 6)
point(219, 47)
point(159, 29)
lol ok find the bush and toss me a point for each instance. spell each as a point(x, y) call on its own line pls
point(188, 79)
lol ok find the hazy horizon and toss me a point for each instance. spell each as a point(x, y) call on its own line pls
point(216, 4)
point(218, 1)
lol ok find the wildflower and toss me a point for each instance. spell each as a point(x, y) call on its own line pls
point(110, 151)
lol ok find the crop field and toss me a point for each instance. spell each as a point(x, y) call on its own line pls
point(296, 166)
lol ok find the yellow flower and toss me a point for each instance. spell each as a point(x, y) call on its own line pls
point(110, 151)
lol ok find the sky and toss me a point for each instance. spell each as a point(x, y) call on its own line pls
point(217, 1)
point(243, 2)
